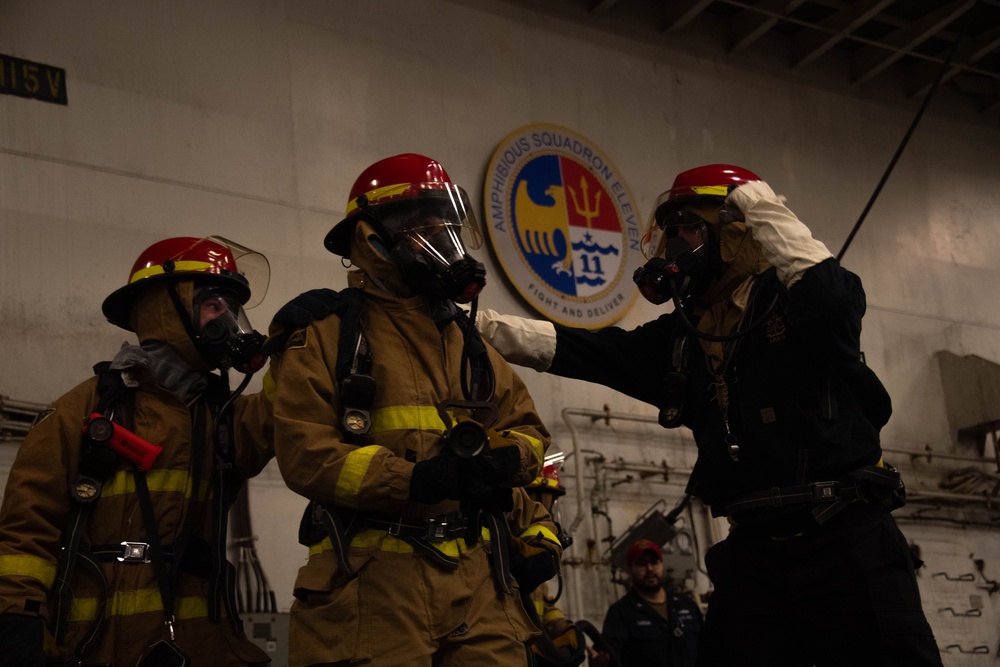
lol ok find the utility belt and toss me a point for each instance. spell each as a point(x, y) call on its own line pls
point(443, 527)
point(879, 484)
point(340, 526)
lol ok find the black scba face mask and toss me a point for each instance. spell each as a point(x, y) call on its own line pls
point(433, 261)
point(681, 271)
point(227, 340)
point(460, 281)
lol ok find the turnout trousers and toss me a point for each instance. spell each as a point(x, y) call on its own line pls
point(843, 594)
point(403, 610)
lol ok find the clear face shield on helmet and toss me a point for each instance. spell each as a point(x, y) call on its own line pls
point(675, 246)
point(431, 226)
point(252, 267)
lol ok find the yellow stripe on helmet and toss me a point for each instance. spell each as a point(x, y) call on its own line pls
point(183, 266)
point(376, 194)
point(717, 190)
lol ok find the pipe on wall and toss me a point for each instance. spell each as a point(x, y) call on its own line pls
point(575, 605)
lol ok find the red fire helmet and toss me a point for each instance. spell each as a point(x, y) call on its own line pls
point(213, 259)
point(396, 180)
point(707, 184)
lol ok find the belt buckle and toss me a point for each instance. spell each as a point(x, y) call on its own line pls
point(825, 491)
point(134, 552)
point(437, 528)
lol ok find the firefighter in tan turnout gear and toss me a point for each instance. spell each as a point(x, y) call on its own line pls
point(113, 521)
point(407, 434)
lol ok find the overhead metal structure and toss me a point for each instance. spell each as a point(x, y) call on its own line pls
point(900, 44)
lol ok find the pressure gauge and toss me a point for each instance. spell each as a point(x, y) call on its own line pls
point(683, 542)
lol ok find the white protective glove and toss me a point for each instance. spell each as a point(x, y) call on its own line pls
point(520, 341)
point(788, 244)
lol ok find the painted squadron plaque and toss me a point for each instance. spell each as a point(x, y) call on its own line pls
point(563, 226)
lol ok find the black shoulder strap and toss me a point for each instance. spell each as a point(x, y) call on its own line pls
point(110, 387)
point(97, 464)
point(300, 312)
point(353, 341)
point(354, 359)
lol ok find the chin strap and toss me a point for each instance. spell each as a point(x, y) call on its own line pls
point(182, 312)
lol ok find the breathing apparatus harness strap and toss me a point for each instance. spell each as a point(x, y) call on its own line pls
point(357, 395)
point(226, 486)
point(97, 464)
point(675, 384)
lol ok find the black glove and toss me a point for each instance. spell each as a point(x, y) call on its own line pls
point(447, 476)
point(500, 459)
point(300, 312)
point(532, 562)
point(503, 458)
point(21, 640)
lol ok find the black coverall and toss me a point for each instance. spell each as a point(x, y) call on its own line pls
point(802, 408)
point(641, 637)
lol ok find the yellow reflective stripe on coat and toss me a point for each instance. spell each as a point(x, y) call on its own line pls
point(407, 418)
point(537, 446)
point(426, 418)
point(22, 565)
point(142, 601)
point(540, 530)
point(553, 614)
point(268, 386)
point(176, 481)
point(352, 473)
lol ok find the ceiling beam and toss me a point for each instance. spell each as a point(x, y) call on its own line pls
point(601, 6)
point(870, 61)
point(678, 14)
point(810, 45)
point(752, 25)
point(922, 76)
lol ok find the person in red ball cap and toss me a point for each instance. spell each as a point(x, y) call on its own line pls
point(649, 625)
point(639, 549)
